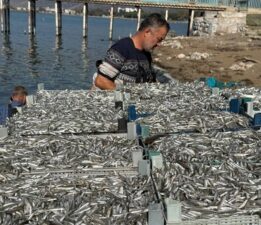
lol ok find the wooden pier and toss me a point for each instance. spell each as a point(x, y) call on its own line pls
point(191, 6)
point(135, 3)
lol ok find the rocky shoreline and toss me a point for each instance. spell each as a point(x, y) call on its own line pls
point(228, 57)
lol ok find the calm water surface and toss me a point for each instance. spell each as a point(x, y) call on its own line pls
point(67, 62)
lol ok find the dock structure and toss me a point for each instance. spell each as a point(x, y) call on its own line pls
point(187, 4)
point(5, 16)
point(191, 5)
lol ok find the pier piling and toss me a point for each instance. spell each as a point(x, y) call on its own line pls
point(190, 22)
point(5, 16)
point(111, 24)
point(31, 17)
point(58, 17)
point(167, 14)
point(85, 20)
point(138, 17)
point(58, 44)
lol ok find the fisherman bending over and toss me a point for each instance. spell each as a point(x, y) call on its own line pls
point(129, 59)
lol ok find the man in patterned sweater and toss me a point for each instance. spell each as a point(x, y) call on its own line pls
point(129, 60)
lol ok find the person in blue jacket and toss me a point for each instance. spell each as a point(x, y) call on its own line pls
point(18, 99)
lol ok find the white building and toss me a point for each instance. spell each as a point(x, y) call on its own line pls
point(70, 11)
point(48, 9)
point(126, 9)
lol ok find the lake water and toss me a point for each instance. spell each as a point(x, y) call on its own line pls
point(67, 62)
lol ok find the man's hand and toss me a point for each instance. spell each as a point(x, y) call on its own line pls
point(104, 83)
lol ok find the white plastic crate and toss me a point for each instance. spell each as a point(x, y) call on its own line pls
point(233, 220)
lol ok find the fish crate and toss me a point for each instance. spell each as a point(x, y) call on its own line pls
point(110, 200)
point(233, 220)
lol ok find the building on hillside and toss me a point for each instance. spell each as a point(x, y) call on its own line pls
point(126, 9)
point(70, 11)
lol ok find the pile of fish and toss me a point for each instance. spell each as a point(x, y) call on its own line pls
point(211, 157)
point(57, 112)
point(189, 95)
point(214, 174)
point(63, 199)
point(189, 107)
point(115, 200)
point(178, 120)
point(24, 154)
point(172, 107)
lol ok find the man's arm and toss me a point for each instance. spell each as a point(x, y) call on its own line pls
point(104, 83)
point(111, 66)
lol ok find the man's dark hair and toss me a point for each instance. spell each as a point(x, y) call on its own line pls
point(154, 20)
point(19, 90)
